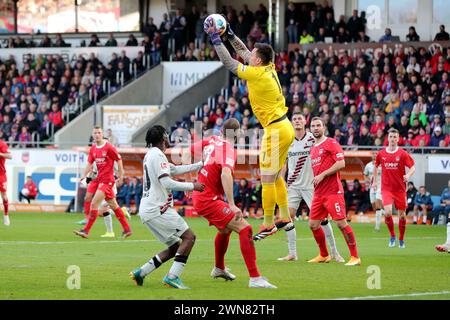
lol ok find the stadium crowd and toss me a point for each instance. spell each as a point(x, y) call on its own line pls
point(359, 98)
point(40, 98)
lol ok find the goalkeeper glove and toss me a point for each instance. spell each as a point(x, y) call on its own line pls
point(209, 27)
point(228, 34)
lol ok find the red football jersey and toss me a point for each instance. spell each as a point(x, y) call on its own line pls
point(104, 158)
point(217, 154)
point(393, 169)
point(323, 156)
point(3, 149)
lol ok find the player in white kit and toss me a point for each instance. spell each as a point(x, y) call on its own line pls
point(375, 194)
point(157, 212)
point(300, 186)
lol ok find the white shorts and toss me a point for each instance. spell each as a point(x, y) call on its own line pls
point(167, 227)
point(296, 195)
point(375, 195)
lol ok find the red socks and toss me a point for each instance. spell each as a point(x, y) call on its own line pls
point(92, 217)
point(248, 251)
point(390, 224)
point(6, 207)
point(220, 247)
point(87, 209)
point(121, 217)
point(319, 235)
point(349, 237)
point(402, 227)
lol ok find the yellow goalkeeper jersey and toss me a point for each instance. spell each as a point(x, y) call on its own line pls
point(265, 94)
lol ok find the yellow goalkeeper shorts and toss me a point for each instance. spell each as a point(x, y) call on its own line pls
point(276, 141)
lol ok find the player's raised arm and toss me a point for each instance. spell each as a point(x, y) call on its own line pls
point(222, 52)
point(238, 45)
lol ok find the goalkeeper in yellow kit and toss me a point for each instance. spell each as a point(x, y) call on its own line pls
point(268, 105)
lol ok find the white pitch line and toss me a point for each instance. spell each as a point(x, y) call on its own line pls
point(416, 294)
point(154, 240)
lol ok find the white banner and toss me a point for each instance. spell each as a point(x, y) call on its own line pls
point(125, 120)
point(55, 173)
point(38, 157)
point(69, 54)
point(439, 164)
point(179, 76)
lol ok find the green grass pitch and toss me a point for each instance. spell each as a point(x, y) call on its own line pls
point(37, 249)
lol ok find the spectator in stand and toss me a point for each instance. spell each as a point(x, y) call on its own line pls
point(422, 203)
point(360, 198)
point(362, 37)
point(122, 192)
point(55, 117)
point(59, 41)
point(24, 138)
point(444, 205)
point(95, 42)
point(410, 196)
point(442, 35)
point(46, 42)
point(111, 137)
point(292, 23)
point(387, 35)
point(412, 34)
point(178, 23)
point(111, 42)
point(132, 41)
point(244, 196)
point(29, 190)
point(355, 25)
point(437, 137)
point(149, 28)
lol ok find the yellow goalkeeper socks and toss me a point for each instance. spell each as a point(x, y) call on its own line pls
point(282, 198)
point(268, 202)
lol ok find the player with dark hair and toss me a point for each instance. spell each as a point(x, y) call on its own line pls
point(219, 159)
point(157, 212)
point(269, 106)
point(327, 159)
point(104, 155)
point(4, 154)
point(301, 187)
point(393, 161)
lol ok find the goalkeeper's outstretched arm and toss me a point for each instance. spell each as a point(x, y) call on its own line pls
point(240, 48)
point(224, 56)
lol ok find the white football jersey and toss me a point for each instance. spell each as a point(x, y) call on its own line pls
point(368, 171)
point(155, 198)
point(300, 173)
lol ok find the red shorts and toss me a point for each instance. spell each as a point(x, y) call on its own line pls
point(108, 190)
point(217, 212)
point(92, 187)
point(398, 199)
point(322, 206)
point(3, 181)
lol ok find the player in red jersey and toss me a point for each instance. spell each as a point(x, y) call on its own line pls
point(219, 158)
point(393, 161)
point(4, 154)
point(327, 158)
point(104, 154)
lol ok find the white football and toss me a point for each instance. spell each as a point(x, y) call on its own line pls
point(220, 22)
point(25, 192)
